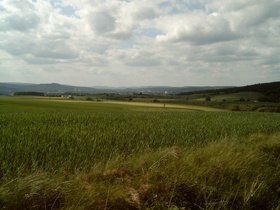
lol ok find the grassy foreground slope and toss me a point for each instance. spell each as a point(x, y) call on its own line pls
point(74, 156)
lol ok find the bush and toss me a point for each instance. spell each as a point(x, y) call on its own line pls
point(253, 108)
point(207, 98)
point(234, 108)
point(266, 109)
point(89, 99)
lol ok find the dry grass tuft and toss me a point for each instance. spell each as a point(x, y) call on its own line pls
point(134, 198)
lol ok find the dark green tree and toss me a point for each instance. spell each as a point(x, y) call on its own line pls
point(207, 98)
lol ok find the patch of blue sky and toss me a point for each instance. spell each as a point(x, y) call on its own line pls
point(150, 32)
point(175, 9)
point(171, 9)
point(196, 6)
point(165, 4)
point(64, 10)
point(68, 11)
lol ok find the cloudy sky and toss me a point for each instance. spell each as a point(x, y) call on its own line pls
point(140, 42)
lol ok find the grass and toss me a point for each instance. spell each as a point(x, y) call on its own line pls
point(89, 155)
point(236, 96)
point(226, 97)
point(231, 173)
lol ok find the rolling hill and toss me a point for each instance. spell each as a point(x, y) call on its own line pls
point(10, 88)
point(264, 88)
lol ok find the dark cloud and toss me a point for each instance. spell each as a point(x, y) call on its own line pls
point(55, 53)
point(272, 60)
point(145, 13)
point(22, 23)
point(102, 21)
point(38, 61)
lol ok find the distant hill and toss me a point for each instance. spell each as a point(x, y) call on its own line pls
point(264, 88)
point(10, 88)
point(158, 89)
point(272, 88)
point(270, 91)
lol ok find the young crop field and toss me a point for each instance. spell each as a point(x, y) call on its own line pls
point(91, 155)
point(32, 104)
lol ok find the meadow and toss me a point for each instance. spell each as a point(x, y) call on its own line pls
point(62, 154)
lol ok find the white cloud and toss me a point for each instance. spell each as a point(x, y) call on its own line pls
point(247, 15)
point(160, 42)
point(18, 15)
point(197, 28)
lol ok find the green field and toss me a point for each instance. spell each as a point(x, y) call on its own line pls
point(230, 97)
point(10, 104)
point(70, 154)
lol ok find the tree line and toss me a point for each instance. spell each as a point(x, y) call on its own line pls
point(29, 93)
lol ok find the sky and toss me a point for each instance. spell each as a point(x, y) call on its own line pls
point(140, 42)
